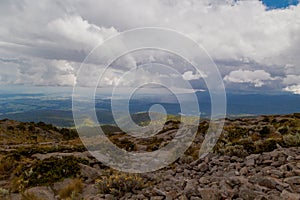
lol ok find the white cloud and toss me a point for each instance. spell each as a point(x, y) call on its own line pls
point(291, 79)
point(257, 77)
point(65, 31)
point(293, 88)
point(292, 83)
point(189, 75)
point(45, 72)
point(77, 31)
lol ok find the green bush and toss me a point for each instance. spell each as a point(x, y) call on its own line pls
point(267, 145)
point(247, 144)
point(21, 127)
point(4, 193)
point(283, 130)
point(47, 172)
point(7, 165)
point(292, 140)
point(119, 183)
point(236, 132)
point(237, 150)
point(265, 131)
point(68, 134)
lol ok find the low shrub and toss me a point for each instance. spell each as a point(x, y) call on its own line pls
point(265, 131)
point(4, 193)
point(46, 172)
point(119, 183)
point(267, 145)
point(236, 150)
point(126, 144)
point(68, 134)
point(30, 196)
point(283, 130)
point(247, 144)
point(7, 165)
point(292, 140)
point(72, 190)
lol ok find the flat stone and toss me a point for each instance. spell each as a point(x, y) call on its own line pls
point(276, 173)
point(250, 162)
point(41, 192)
point(248, 194)
point(285, 195)
point(62, 184)
point(272, 183)
point(89, 173)
point(293, 180)
point(244, 171)
point(209, 194)
point(191, 188)
point(203, 167)
point(157, 198)
point(297, 171)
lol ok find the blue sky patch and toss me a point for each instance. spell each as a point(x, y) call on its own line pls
point(277, 4)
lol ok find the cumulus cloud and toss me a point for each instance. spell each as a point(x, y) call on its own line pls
point(292, 83)
point(37, 72)
point(257, 77)
point(291, 79)
point(293, 88)
point(76, 31)
point(189, 75)
point(51, 35)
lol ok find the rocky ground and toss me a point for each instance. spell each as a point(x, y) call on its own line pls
point(255, 158)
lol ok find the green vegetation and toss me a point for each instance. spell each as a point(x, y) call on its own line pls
point(118, 183)
point(20, 141)
point(45, 172)
point(4, 193)
point(254, 136)
point(7, 165)
point(72, 190)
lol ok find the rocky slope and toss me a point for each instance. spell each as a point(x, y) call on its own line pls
point(255, 158)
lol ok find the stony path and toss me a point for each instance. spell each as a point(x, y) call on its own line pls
point(273, 175)
point(268, 176)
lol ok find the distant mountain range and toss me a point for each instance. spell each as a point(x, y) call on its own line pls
point(57, 110)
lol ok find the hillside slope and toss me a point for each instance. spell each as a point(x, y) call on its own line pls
point(255, 158)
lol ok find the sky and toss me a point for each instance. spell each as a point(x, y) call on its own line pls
point(275, 4)
point(255, 44)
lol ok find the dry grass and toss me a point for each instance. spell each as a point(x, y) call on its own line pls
point(30, 196)
point(118, 183)
point(72, 190)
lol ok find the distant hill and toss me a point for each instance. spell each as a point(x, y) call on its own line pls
point(58, 111)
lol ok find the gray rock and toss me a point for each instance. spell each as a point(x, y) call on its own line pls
point(62, 184)
point(267, 182)
point(276, 173)
point(250, 162)
point(89, 173)
point(285, 195)
point(89, 191)
point(191, 188)
point(41, 192)
point(248, 194)
point(244, 171)
point(209, 194)
point(157, 198)
point(203, 167)
point(195, 198)
point(293, 180)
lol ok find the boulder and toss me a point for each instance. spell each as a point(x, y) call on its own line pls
point(41, 192)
